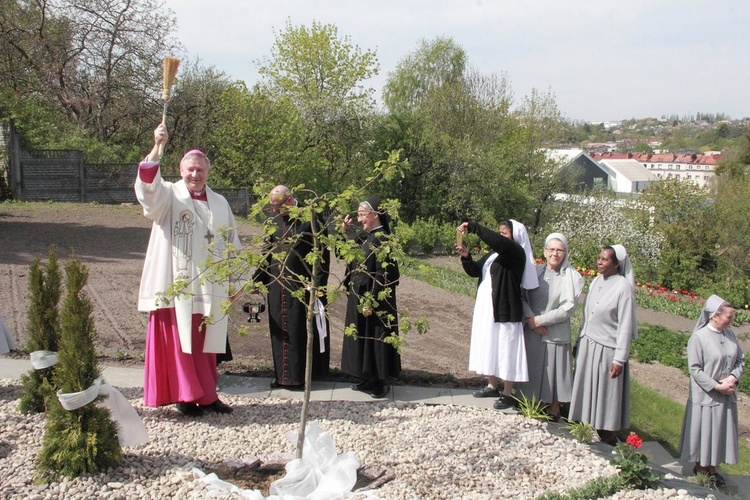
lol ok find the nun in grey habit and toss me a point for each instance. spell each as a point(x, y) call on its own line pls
point(547, 312)
point(601, 387)
point(716, 362)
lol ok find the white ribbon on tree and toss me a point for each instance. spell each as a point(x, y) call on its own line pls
point(130, 428)
point(43, 359)
point(320, 319)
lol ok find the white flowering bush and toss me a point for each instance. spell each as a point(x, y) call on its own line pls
point(590, 222)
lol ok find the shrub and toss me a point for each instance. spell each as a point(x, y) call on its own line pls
point(81, 440)
point(584, 432)
point(657, 343)
point(43, 327)
point(592, 222)
point(600, 487)
point(428, 236)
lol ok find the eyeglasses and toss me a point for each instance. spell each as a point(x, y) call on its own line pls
point(555, 250)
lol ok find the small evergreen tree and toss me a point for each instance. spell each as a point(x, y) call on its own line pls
point(85, 439)
point(43, 327)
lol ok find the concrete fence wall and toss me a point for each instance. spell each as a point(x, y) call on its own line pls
point(62, 175)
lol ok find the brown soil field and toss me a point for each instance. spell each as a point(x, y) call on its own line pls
point(112, 240)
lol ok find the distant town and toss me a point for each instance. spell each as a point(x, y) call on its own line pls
point(628, 156)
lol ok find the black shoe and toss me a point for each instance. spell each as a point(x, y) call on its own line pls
point(217, 406)
point(380, 392)
point(190, 409)
point(504, 403)
point(486, 392)
point(367, 386)
point(718, 480)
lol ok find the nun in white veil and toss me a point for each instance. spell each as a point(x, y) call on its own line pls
point(601, 387)
point(497, 347)
point(547, 312)
point(709, 429)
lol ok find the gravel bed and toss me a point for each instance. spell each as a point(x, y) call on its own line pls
point(433, 451)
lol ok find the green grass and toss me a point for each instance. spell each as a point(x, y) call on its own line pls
point(445, 279)
point(657, 418)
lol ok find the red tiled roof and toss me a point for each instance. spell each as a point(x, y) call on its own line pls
point(611, 156)
point(694, 159)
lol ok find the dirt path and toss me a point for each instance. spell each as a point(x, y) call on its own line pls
point(112, 242)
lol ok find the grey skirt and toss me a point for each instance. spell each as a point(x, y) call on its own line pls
point(550, 370)
point(602, 401)
point(709, 434)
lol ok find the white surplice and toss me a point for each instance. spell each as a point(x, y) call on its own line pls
point(181, 233)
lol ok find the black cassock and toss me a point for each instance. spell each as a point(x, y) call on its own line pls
point(287, 319)
point(367, 356)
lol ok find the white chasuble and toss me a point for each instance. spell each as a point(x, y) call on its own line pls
point(182, 231)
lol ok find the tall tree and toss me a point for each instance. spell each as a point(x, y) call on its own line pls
point(447, 119)
point(540, 125)
point(258, 136)
point(97, 60)
point(432, 66)
point(195, 110)
point(322, 75)
point(732, 227)
point(680, 212)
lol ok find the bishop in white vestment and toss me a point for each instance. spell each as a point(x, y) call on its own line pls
point(180, 358)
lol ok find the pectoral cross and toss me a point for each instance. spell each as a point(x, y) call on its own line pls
point(209, 236)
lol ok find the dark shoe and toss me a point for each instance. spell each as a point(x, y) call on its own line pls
point(718, 480)
point(380, 392)
point(552, 416)
point(190, 409)
point(505, 403)
point(367, 386)
point(486, 392)
point(218, 407)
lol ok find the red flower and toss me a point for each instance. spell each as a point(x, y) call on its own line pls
point(634, 441)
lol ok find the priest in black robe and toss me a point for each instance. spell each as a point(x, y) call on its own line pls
point(367, 356)
point(292, 240)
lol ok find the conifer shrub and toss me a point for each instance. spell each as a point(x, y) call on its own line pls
point(83, 440)
point(43, 326)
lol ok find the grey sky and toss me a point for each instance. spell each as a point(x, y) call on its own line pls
point(602, 59)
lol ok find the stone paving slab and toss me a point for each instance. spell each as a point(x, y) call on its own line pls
point(658, 455)
point(427, 395)
point(14, 368)
point(253, 387)
point(120, 376)
point(343, 392)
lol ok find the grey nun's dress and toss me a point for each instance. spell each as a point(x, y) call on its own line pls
point(609, 325)
point(709, 428)
point(548, 357)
